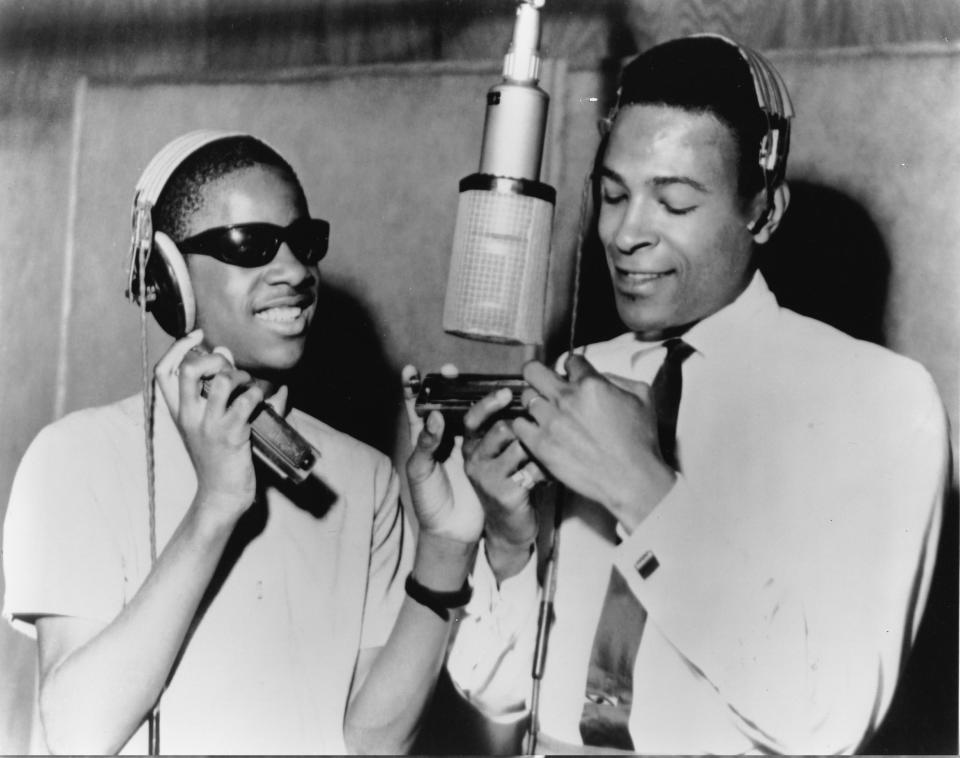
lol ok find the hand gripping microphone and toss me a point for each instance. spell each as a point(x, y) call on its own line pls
point(496, 290)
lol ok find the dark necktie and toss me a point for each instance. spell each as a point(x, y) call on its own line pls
point(604, 721)
point(666, 388)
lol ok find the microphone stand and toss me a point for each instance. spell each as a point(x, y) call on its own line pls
point(549, 589)
point(153, 732)
point(544, 621)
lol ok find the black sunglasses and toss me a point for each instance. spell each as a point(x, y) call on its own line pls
point(256, 244)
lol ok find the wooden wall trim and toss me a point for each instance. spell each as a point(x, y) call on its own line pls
point(69, 251)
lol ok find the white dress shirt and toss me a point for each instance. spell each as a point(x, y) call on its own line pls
point(795, 549)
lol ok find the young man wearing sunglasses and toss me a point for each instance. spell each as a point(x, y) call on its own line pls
point(274, 618)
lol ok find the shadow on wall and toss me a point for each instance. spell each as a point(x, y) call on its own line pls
point(829, 261)
point(345, 378)
point(922, 719)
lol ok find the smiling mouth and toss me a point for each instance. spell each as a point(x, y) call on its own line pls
point(642, 276)
point(281, 314)
point(640, 280)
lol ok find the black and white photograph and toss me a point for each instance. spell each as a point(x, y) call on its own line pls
point(479, 377)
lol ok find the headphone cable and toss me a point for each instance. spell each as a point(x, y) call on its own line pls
point(153, 728)
point(585, 213)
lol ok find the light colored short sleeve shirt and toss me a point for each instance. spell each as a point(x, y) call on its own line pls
point(312, 575)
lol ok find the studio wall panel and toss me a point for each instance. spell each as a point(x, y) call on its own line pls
point(870, 244)
point(380, 153)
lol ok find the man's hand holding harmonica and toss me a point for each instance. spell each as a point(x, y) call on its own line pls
point(597, 435)
point(503, 473)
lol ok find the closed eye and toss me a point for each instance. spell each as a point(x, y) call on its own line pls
point(675, 211)
point(612, 198)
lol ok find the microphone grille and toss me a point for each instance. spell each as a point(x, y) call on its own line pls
point(496, 290)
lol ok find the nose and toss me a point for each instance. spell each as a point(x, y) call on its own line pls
point(286, 268)
point(636, 229)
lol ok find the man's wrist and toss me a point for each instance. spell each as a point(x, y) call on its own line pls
point(442, 563)
point(441, 603)
point(639, 502)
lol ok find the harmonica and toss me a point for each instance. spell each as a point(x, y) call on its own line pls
point(453, 396)
point(277, 444)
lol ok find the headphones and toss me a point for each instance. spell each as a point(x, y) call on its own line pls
point(774, 103)
point(157, 271)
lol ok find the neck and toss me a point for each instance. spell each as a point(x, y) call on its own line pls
point(268, 387)
point(667, 333)
point(267, 380)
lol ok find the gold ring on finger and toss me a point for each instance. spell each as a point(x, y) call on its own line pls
point(523, 479)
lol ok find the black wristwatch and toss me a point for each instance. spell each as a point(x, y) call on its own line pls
point(439, 602)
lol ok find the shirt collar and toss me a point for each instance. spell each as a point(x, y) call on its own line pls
point(712, 334)
point(279, 400)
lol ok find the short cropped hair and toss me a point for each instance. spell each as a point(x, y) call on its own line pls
point(703, 74)
point(182, 193)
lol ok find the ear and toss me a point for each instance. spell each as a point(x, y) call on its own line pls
point(781, 200)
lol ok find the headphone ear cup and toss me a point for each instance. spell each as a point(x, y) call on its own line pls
point(174, 305)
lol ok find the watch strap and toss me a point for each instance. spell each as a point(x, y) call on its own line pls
point(439, 602)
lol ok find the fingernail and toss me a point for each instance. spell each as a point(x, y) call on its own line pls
point(225, 352)
point(410, 378)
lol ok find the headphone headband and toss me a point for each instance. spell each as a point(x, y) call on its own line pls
point(773, 101)
point(148, 190)
point(772, 94)
point(168, 159)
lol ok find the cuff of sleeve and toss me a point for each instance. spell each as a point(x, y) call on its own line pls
point(679, 538)
point(682, 565)
point(638, 554)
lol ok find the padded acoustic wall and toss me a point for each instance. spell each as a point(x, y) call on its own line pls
point(872, 241)
point(877, 143)
point(380, 153)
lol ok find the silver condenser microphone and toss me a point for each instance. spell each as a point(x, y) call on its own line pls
point(496, 290)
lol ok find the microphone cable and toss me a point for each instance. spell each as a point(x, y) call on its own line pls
point(549, 587)
point(586, 211)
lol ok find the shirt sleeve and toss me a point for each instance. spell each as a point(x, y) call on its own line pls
point(800, 623)
point(491, 655)
point(60, 556)
point(391, 559)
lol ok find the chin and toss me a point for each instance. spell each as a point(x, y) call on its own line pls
point(285, 362)
point(276, 361)
point(643, 320)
